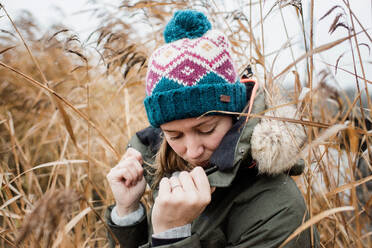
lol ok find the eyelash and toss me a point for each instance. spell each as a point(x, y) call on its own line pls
point(208, 132)
point(203, 133)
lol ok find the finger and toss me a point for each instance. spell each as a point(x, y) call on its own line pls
point(121, 174)
point(139, 169)
point(132, 169)
point(134, 165)
point(164, 187)
point(128, 176)
point(133, 153)
point(176, 185)
point(187, 182)
point(200, 180)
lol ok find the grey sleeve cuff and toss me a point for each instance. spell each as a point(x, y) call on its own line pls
point(129, 219)
point(176, 232)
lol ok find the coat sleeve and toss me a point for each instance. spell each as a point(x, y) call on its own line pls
point(137, 234)
point(268, 217)
point(192, 241)
point(131, 236)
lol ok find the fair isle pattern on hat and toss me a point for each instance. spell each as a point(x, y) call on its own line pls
point(188, 61)
point(193, 73)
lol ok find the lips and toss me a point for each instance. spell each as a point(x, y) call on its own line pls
point(202, 163)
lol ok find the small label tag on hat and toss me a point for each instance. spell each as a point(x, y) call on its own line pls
point(224, 98)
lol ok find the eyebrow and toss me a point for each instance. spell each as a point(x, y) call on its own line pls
point(200, 124)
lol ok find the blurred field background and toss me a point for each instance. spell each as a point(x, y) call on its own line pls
point(68, 106)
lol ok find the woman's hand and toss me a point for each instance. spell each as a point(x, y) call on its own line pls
point(127, 182)
point(181, 199)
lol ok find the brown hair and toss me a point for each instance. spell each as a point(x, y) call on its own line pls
point(166, 162)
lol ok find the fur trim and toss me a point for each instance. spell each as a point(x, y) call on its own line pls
point(275, 143)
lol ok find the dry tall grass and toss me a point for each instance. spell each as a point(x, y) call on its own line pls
point(67, 109)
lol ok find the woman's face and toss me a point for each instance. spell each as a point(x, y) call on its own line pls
point(195, 139)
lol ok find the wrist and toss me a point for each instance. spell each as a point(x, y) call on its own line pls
point(125, 210)
point(162, 228)
point(127, 220)
point(173, 233)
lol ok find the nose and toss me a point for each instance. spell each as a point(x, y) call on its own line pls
point(195, 147)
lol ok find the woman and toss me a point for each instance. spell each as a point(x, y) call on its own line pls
point(250, 201)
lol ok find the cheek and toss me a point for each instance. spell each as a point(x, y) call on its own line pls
point(177, 146)
point(212, 142)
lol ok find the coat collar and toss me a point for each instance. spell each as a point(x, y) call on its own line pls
point(235, 147)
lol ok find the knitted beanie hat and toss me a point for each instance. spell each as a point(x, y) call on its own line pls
point(193, 73)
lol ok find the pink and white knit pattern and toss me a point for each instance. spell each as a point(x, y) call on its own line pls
point(187, 61)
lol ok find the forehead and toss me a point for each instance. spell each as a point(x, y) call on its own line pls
point(189, 123)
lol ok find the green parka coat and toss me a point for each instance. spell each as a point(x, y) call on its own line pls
point(253, 206)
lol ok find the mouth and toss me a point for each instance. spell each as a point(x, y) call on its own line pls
point(202, 163)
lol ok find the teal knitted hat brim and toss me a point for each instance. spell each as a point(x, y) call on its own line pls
point(187, 102)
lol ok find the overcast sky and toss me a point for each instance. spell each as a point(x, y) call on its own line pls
point(69, 13)
point(48, 12)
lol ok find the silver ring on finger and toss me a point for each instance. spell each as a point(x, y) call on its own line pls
point(175, 186)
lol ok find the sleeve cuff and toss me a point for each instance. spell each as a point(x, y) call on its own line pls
point(129, 219)
point(174, 233)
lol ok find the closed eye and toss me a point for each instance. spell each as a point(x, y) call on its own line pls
point(175, 136)
point(208, 131)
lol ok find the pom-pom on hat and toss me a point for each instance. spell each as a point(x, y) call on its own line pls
point(193, 73)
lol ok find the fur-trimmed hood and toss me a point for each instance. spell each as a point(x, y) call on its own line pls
point(275, 144)
point(266, 145)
